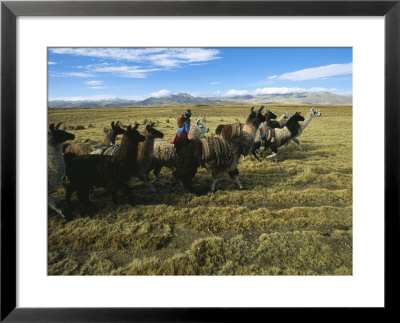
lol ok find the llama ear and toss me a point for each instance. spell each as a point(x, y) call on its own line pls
point(251, 109)
point(117, 123)
point(52, 127)
point(58, 125)
point(136, 126)
point(112, 124)
point(129, 127)
point(259, 111)
point(197, 121)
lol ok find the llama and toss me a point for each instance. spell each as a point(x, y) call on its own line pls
point(303, 124)
point(278, 123)
point(94, 147)
point(217, 154)
point(146, 153)
point(110, 172)
point(55, 162)
point(236, 129)
point(274, 138)
point(165, 153)
point(269, 117)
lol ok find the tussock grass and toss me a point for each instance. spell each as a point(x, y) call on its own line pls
point(294, 218)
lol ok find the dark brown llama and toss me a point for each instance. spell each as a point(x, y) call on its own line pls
point(110, 172)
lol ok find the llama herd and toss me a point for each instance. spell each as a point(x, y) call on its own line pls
point(81, 166)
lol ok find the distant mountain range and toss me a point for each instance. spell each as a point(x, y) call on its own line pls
point(308, 98)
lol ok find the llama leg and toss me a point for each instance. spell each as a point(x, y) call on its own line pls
point(128, 193)
point(286, 146)
point(83, 195)
point(53, 204)
point(235, 176)
point(213, 185)
point(114, 197)
point(274, 154)
point(297, 142)
point(156, 173)
point(150, 186)
point(69, 188)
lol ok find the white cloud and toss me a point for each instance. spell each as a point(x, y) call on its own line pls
point(94, 82)
point(97, 87)
point(160, 93)
point(214, 83)
point(84, 98)
point(234, 92)
point(321, 89)
point(51, 63)
point(74, 74)
point(120, 70)
point(276, 90)
point(316, 72)
point(164, 57)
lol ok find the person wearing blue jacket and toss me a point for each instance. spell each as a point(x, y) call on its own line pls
point(183, 121)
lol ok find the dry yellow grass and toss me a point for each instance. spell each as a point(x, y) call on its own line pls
point(294, 218)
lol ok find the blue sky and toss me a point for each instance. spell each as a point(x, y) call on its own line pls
point(138, 73)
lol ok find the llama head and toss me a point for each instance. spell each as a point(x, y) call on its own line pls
point(294, 119)
point(298, 116)
point(270, 115)
point(60, 135)
point(151, 132)
point(116, 129)
point(315, 113)
point(255, 118)
point(198, 130)
point(133, 134)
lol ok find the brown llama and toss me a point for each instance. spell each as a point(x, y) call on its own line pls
point(233, 130)
point(110, 172)
point(146, 153)
point(218, 155)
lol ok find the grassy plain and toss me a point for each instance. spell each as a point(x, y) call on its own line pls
point(294, 218)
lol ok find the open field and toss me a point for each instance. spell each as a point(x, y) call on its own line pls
point(294, 218)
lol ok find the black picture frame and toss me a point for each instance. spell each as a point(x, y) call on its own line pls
point(10, 10)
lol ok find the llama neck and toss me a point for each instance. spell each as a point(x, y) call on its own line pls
point(247, 138)
point(250, 130)
point(145, 149)
point(307, 120)
point(293, 127)
point(55, 158)
point(109, 139)
point(127, 152)
point(281, 118)
point(54, 146)
point(193, 133)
